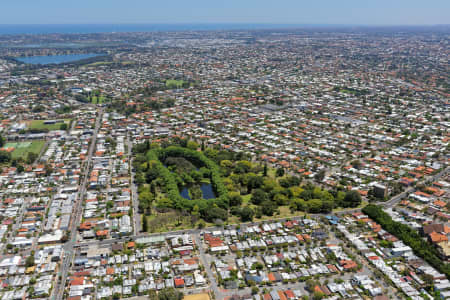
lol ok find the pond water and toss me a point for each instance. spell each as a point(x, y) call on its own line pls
point(185, 193)
point(54, 59)
point(207, 191)
point(206, 188)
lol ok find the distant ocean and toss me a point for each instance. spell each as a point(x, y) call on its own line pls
point(107, 28)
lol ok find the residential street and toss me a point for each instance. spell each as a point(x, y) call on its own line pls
point(76, 216)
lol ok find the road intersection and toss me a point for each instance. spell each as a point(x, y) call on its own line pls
point(72, 244)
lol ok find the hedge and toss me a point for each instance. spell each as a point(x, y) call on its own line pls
point(171, 187)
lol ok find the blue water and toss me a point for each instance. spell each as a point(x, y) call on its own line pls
point(206, 188)
point(207, 191)
point(105, 28)
point(54, 59)
point(185, 193)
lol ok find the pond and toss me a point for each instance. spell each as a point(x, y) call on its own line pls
point(207, 191)
point(185, 193)
point(206, 188)
point(54, 59)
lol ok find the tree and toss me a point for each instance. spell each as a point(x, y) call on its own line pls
point(151, 173)
point(31, 157)
point(290, 181)
point(196, 175)
point(5, 156)
point(356, 164)
point(268, 207)
point(63, 126)
point(20, 169)
point(195, 214)
point(116, 296)
point(152, 295)
point(135, 289)
point(48, 169)
point(314, 205)
point(352, 199)
point(429, 279)
point(164, 203)
point(340, 196)
point(318, 295)
point(192, 145)
point(280, 199)
point(242, 167)
point(235, 199)
point(259, 196)
point(298, 204)
point(170, 294)
point(255, 290)
point(145, 224)
point(145, 200)
point(201, 224)
point(265, 170)
point(310, 284)
point(254, 181)
point(29, 262)
point(279, 172)
point(109, 204)
point(296, 191)
point(246, 214)
point(2, 141)
point(214, 213)
point(319, 176)
point(111, 141)
point(269, 184)
point(409, 236)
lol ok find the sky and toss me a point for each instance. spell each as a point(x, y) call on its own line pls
point(323, 12)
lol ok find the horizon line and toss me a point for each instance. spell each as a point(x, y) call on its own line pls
point(227, 23)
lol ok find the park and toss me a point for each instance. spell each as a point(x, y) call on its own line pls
point(20, 150)
point(181, 186)
point(48, 125)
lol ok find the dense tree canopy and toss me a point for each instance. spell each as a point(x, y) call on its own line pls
point(242, 188)
point(166, 294)
point(5, 156)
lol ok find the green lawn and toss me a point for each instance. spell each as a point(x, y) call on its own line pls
point(172, 83)
point(246, 198)
point(22, 149)
point(100, 63)
point(98, 100)
point(170, 221)
point(39, 125)
point(340, 209)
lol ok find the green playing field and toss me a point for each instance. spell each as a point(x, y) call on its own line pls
point(18, 145)
point(21, 149)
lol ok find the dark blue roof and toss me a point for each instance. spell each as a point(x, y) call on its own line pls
point(254, 278)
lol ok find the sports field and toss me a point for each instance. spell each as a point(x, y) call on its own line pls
point(39, 124)
point(172, 83)
point(21, 149)
point(98, 99)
